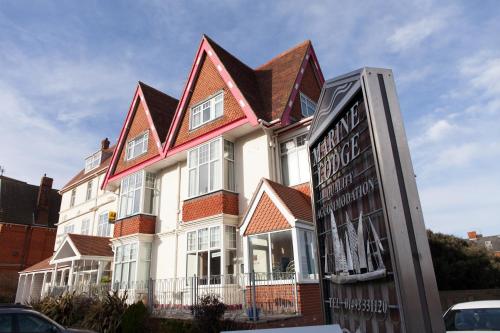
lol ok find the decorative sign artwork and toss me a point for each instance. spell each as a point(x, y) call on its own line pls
point(364, 194)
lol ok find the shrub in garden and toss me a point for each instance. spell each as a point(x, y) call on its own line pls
point(106, 316)
point(208, 313)
point(135, 318)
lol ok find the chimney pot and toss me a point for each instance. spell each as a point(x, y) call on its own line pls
point(472, 235)
point(105, 144)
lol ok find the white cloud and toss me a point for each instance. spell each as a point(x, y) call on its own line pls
point(414, 33)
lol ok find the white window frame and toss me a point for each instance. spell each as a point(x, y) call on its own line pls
point(193, 237)
point(141, 141)
point(127, 195)
point(72, 198)
point(90, 188)
point(85, 227)
point(207, 104)
point(103, 228)
point(223, 159)
point(121, 260)
point(69, 229)
point(308, 104)
point(93, 161)
point(300, 146)
point(270, 274)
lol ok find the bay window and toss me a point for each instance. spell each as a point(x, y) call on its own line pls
point(294, 161)
point(132, 263)
point(138, 194)
point(207, 111)
point(272, 254)
point(137, 146)
point(208, 165)
point(204, 255)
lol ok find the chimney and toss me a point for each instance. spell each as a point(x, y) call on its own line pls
point(43, 201)
point(105, 144)
point(472, 235)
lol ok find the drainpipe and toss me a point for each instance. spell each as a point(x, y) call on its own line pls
point(272, 142)
point(178, 220)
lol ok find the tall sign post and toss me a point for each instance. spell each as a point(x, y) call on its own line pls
point(375, 263)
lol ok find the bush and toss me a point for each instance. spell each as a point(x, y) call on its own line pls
point(135, 318)
point(176, 326)
point(106, 316)
point(208, 313)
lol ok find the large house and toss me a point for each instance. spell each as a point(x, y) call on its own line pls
point(28, 217)
point(212, 191)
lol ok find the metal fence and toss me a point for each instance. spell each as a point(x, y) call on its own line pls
point(252, 296)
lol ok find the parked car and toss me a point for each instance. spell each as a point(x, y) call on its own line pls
point(16, 318)
point(480, 316)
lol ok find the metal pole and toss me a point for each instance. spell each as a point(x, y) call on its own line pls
point(254, 305)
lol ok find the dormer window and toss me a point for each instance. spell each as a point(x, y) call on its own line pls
point(307, 105)
point(93, 161)
point(137, 146)
point(207, 111)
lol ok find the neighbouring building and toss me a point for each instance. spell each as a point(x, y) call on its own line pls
point(79, 252)
point(490, 243)
point(213, 189)
point(28, 218)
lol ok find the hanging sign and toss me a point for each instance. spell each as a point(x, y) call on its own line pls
point(376, 269)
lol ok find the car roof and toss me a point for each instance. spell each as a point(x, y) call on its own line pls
point(476, 305)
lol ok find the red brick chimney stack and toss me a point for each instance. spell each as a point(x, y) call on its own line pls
point(42, 202)
point(105, 144)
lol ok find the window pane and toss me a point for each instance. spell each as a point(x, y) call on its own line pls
point(192, 182)
point(229, 172)
point(191, 264)
point(196, 120)
point(215, 175)
point(303, 165)
point(228, 150)
point(230, 233)
point(218, 106)
point(131, 277)
point(191, 241)
point(137, 201)
point(125, 275)
point(203, 264)
point(206, 112)
point(203, 239)
point(215, 262)
point(230, 261)
point(204, 154)
point(6, 322)
point(282, 252)
point(215, 237)
point(259, 251)
point(308, 263)
point(28, 323)
point(203, 179)
point(193, 158)
point(214, 150)
point(118, 273)
point(149, 201)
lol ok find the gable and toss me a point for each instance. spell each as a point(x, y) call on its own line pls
point(65, 251)
point(139, 124)
point(310, 87)
point(208, 83)
point(266, 217)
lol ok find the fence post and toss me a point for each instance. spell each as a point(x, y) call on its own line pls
point(296, 294)
point(150, 295)
point(254, 289)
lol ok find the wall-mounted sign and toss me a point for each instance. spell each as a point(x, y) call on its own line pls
point(111, 217)
point(376, 268)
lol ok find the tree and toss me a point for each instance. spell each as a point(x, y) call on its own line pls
point(461, 265)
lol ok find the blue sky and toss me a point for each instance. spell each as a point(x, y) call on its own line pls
point(69, 70)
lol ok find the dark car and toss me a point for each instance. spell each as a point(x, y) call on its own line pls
point(16, 318)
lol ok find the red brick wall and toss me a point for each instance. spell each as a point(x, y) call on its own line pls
point(266, 217)
point(310, 87)
point(208, 82)
point(209, 205)
point(137, 224)
point(22, 246)
point(139, 125)
point(308, 303)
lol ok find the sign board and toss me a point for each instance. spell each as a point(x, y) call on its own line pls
point(111, 217)
point(375, 263)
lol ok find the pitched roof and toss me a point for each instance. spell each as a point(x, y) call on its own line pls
point(39, 266)
point(243, 76)
point(276, 78)
point(105, 160)
point(161, 107)
point(18, 202)
point(92, 245)
point(297, 202)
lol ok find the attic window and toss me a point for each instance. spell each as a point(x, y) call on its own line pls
point(93, 161)
point(207, 111)
point(137, 146)
point(307, 105)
